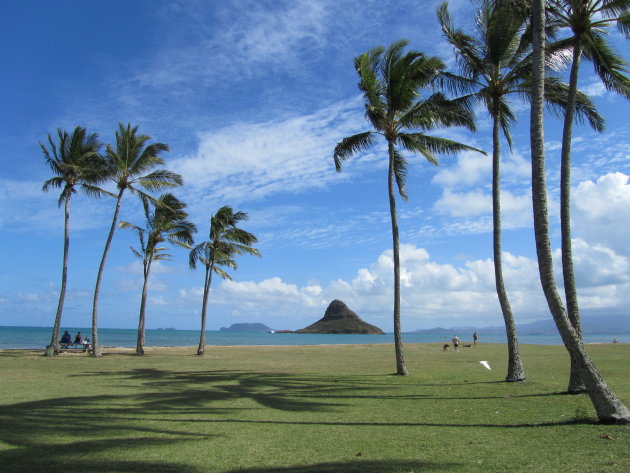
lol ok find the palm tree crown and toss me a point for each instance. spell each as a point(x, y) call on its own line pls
point(166, 222)
point(226, 241)
point(390, 81)
point(75, 161)
point(132, 161)
point(588, 21)
point(496, 63)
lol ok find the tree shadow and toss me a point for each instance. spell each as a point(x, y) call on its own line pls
point(358, 466)
point(51, 435)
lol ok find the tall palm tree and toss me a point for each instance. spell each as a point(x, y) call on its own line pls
point(587, 20)
point(496, 64)
point(608, 407)
point(390, 81)
point(165, 222)
point(131, 162)
point(76, 162)
point(226, 241)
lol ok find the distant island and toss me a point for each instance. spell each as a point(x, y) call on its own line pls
point(340, 319)
point(246, 328)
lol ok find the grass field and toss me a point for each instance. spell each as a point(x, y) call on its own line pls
point(306, 409)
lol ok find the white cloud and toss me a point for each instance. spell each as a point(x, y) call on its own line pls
point(594, 89)
point(471, 168)
point(601, 212)
point(515, 209)
point(249, 161)
point(464, 204)
point(251, 35)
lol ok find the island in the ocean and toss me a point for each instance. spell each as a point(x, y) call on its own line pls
point(340, 319)
point(246, 328)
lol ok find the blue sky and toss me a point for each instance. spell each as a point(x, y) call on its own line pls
point(252, 97)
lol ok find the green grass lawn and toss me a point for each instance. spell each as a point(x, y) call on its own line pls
point(306, 409)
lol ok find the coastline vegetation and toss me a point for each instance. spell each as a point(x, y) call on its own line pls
point(305, 409)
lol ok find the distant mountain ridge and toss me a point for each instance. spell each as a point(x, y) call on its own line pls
point(592, 325)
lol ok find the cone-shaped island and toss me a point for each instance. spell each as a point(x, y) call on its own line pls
point(340, 319)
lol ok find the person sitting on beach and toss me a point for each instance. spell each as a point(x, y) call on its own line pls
point(65, 338)
point(78, 340)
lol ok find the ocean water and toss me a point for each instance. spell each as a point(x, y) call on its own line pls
point(39, 337)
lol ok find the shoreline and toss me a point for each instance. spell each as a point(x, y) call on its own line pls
point(167, 348)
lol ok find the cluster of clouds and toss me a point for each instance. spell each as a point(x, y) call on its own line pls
point(433, 292)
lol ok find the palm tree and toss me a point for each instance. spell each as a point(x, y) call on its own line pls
point(75, 161)
point(608, 407)
point(166, 222)
point(226, 241)
point(390, 81)
point(130, 161)
point(496, 64)
point(587, 20)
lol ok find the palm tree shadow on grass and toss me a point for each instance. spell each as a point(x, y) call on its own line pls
point(54, 434)
point(70, 458)
point(358, 466)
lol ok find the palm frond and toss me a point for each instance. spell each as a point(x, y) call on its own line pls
point(609, 66)
point(366, 65)
point(400, 173)
point(438, 111)
point(351, 145)
point(223, 274)
point(422, 143)
point(160, 179)
point(556, 98)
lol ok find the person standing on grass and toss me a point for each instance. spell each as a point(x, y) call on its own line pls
point(455, 343)
point(475, 338)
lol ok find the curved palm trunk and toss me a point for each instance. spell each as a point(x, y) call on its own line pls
point(96, 350)
point(401, 367)
point(516, 372)
point(576, 385)
point(53, 348)
point(143, 305)
point(608, 407)
point(206, 291)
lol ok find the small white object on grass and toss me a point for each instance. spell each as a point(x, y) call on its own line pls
point(486, 365)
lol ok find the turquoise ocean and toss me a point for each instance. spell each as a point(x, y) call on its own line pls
point(39, 337)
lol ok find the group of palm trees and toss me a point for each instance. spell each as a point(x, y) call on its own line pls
point(515, 51)
point(77, 162)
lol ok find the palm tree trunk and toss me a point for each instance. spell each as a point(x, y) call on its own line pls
point(96, 350)
point(608, 407)
point(206, 291)
point(401, 368)
point(53, 348)
point(516, 372)
point(576, 386)
point(143, 305)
